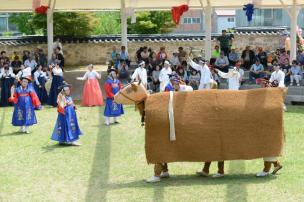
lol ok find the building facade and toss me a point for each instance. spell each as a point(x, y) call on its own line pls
point(6, 28)
point(268, 17)
point(193, 20)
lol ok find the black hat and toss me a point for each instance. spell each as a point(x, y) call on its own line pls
point(64, 85)
point(112, 70)
point(27, 78)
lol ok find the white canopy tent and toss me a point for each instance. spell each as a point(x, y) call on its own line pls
point(292, 6)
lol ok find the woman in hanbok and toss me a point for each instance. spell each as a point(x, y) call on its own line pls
point(57, 81)
point(91, 95)
point(112, 109)
point(7, 81)
point(66, 129)
point(40, 79)
point(25, 100)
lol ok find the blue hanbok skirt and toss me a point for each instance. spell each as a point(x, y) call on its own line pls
point(41, 92)
point(24, 112)
point(66, 128)
point(6, 84)
point(113, 109)
point(54, 91)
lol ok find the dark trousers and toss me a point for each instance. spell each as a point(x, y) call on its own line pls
point(226, 50)
point(223, 69)
point(253, 76)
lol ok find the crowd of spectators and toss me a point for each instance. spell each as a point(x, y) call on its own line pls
point(25, 64)
point(257, 62)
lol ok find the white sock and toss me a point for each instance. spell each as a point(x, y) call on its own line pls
point(26, 128)
point(107, 119)
point(115, 119)
point(22, 128)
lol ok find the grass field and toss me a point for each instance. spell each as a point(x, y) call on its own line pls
point(110, 165)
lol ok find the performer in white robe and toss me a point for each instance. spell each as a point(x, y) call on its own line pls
point(206, 76)
point(140, 73)
point(234, 76)
point(164, 76)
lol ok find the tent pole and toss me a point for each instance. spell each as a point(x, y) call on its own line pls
point(293, 30)
point(50, 32)
point(124, 25)
point(208, 12)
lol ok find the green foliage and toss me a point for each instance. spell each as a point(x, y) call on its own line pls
point(24, 22)
point(100, 23)
point(152, 22)
point(107, 23)
point(8, 34)
point(65, 24)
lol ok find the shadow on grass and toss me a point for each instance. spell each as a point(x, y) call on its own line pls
point(50, 148)
point(191, 180)
point(12, 134)
point(98, 182)
point(2, 121)
point(237, 191)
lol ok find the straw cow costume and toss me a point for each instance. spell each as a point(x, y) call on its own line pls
point(204, 129)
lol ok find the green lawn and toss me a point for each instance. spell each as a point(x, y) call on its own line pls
point(110, 165)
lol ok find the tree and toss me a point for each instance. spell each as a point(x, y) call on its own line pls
point(101, 23)
point(151, 22)
point(24, 23)
point(107, 23)
point(65, 24)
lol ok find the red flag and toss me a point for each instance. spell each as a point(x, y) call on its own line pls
point(177, 12)
point(42, 10)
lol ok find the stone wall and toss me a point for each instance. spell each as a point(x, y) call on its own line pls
point(98, 53)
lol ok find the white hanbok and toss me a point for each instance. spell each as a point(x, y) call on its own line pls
point(279, 76)
point(234, 78)
point(164, 78)
point(140, 73)
point(206, 77)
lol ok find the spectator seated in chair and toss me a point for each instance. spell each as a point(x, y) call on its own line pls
point(256, 71)
point(222, 63)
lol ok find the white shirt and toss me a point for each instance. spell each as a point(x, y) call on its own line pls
point(184, 88)
point(38, 74)
point(8, 74)
point(57, 71)
point(206, 76)
point(234, 78)
point(31, 64)
point(279, 76)
point(58, 44)
point(164, 77)
point(140, 73)
point(27, 72)
point(91, 75)
point(10, 70)
point(174, 60)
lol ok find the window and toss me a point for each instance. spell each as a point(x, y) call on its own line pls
point(268, 14)
point(230, 19)
point(188, 20)
point(3, 24)
point(196, 20)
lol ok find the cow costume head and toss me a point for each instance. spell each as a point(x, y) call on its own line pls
point(132, 93)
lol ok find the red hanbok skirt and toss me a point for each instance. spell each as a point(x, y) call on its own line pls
point(92, 95)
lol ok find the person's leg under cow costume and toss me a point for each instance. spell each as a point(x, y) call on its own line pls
point(205, 171)
point(160, 171)
point(268, 161)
